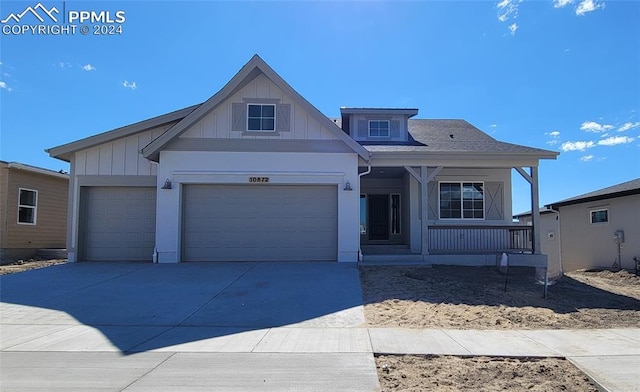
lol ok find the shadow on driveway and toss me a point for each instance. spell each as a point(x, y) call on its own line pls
point(141, 307)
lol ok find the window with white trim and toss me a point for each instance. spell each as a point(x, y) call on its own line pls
point(600, 215)
point(27, 206)
point(461, 200)
point(379, 128)
point(261, 117)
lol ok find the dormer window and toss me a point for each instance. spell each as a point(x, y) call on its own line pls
point(378, 128)
point(261, 117)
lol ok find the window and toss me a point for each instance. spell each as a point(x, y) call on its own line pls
point(27, 205)
point(395, 213)
point(461, 200)
point(379, 128)
point(261, 117)
point(363, 214)
point(599, 216)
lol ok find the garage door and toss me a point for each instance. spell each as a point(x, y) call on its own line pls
point(259, 223)
point(119, 223)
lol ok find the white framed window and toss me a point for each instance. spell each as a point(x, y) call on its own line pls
point(261, 117)
point(379, 128)
point(599, 216)
point(27, 206)
point(461, 200)
point(395, 214)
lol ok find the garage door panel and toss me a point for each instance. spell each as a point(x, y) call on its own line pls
point(271, 222)
point(119, 223)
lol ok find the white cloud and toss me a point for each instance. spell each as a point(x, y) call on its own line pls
point(586, 6)
point(555, 137)
point(508, 11)
point(576, 146)
point(88, 67)
point(586, 158)
point(629, 125)
point(592, 126)
point(554, 134)
point(131, 85)
point(615, 140)
point(4, 86)
point(561, 3)
point(513, 28)
point(493, 125)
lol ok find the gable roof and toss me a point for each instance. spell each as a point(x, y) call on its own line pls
point(247, 73)
point(64, 151)
point(35, 169)
point(624, 189)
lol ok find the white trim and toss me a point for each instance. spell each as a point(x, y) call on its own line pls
point(379, 121)
point(275, 113)
point(462, 218)
point(34, 207)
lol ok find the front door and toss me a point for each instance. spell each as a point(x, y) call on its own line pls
point(378, 217)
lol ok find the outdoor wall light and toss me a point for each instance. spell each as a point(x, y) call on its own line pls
point(167, 184)
point(347, 186)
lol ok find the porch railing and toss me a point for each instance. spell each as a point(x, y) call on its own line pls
point(479, 239)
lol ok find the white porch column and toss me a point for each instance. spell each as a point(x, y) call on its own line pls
point(535, 210)
point(532, 179)
point(424, 199)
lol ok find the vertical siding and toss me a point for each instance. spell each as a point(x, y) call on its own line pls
point(51, 221)
point(4, 172)
point(120, 157)
point(218, 124)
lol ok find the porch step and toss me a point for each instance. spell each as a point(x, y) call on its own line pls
point(386, 250)
point(399, 259)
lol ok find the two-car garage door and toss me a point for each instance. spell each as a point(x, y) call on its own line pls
point(261, 222)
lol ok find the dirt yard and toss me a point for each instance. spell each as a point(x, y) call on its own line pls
point(475, 298)
point(22, 265)
point(447, 373)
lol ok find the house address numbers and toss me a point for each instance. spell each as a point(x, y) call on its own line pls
point(258, 179)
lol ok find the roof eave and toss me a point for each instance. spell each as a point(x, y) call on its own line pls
point(589, 199)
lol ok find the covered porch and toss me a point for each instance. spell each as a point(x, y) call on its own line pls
point(447, 214)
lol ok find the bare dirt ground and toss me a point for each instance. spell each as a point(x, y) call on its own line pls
point(448, 373)
point(20, 266)
point(475, 298)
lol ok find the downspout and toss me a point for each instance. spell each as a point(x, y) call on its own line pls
point(360, 175)
point(557, 212)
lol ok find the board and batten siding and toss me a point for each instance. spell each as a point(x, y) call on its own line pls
point(120, 157)
point(219, 124)
point(51, 214)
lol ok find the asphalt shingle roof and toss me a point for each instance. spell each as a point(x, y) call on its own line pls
point(624, 189)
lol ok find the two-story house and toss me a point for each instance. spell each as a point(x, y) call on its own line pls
point(258, 173)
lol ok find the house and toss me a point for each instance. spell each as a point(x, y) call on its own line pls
point(596, 230)
point(33, 210)
point(258, 173)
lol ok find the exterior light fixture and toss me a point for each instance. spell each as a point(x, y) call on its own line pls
point(347, 186)
point(167, 184)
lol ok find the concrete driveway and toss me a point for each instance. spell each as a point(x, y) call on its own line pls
point(189, 326)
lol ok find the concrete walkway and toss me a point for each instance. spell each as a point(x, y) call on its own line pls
point(284, 358)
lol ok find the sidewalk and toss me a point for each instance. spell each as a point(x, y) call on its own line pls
point(610, 357)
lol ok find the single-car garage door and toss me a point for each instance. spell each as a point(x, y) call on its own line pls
point(118, 223)
point(259, 223)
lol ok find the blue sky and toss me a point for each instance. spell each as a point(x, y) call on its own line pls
point(560, 75)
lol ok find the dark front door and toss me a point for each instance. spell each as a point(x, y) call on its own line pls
point(378, 217)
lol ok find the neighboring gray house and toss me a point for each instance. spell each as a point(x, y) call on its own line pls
point(258, 173)
point(33, 210)
point(599, 229)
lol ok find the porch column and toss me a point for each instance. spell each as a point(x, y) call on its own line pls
point(532, 179)
point(535, 210)
point(424, 198)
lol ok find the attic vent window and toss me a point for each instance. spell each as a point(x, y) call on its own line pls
point(261, 117)
point(378, 128)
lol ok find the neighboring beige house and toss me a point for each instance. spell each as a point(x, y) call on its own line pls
point(590, 228)
point(33, 210)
